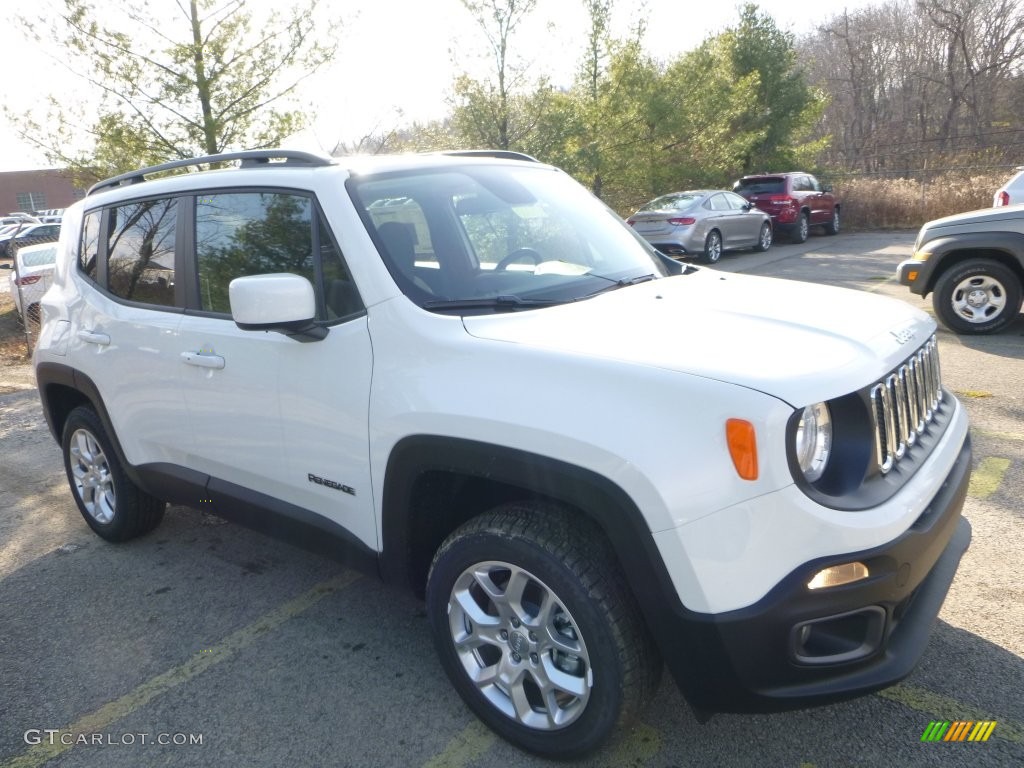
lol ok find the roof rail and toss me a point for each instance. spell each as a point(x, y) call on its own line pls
point(502, 154)
point(249, 158)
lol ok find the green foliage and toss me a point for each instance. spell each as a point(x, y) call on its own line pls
point(201, 80)
point(783, 107)
point(631, 129)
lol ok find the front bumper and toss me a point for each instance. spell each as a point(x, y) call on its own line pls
point(914, 273)
point(864, 636)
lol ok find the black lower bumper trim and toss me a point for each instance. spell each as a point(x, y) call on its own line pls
point(750, 660)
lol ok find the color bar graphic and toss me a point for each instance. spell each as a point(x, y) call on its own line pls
point(958, 730)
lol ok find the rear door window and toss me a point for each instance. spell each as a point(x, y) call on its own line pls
point(140, 251)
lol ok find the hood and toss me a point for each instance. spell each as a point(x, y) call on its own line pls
point(796, 341)
point(985, 216)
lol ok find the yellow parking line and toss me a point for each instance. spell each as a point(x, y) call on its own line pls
point(988, 476)
point(108, 714)
point(997, 435)
point(641, 744)
point(464, 748)
point(884, 284)
point(939, 707)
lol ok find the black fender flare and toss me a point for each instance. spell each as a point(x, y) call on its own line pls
point(1008, 247)
point(594, 495)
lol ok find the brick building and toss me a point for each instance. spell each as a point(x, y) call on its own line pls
point(35, 190)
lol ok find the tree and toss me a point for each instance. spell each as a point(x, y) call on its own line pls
point(784, 107)
point(204, 80)
point(487, 112)
point(919, 84)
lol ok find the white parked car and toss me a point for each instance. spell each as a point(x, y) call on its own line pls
point(30, 276)
point(593, 460)
point(1012, 192)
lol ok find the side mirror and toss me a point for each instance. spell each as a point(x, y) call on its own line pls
point(280, 302)
point(826, 187)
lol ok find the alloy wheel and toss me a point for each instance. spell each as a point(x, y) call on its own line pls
point(519, 645)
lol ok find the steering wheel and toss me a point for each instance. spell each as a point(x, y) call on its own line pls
point(518, 255)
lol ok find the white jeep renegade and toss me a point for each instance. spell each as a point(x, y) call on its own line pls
point(465, 374)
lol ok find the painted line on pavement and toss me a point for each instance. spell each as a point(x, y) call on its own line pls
point(468, 745)
point(996, 435)
point(939, 707)
point(641, 744)
point(987, 477)
point(110, 713)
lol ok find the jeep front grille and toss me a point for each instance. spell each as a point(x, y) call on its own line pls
point(905, 403)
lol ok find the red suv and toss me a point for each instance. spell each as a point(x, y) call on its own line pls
point(795, 201)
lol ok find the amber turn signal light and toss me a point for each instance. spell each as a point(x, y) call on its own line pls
point(742, 440)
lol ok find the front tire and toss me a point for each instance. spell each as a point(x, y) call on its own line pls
point(977, 296)
point(112, 505)
point(537, 631)
point(712, 247)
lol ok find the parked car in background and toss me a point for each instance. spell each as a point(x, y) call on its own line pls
point(30, 277)
point(702, 222)
point(796, 202)
point(973, 265)
point(18, 218)
point(27, 235)
point(1012, 192)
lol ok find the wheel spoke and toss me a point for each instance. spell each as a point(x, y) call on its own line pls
point(471, 608)
point(514, 590)
point(563, 681)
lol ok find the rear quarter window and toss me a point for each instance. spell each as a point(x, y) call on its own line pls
point(89, 245)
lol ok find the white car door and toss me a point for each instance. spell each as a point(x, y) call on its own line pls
point(269, 413)
point(126, 332)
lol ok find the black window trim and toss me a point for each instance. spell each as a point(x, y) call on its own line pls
point(186, 289)
point(102, 254)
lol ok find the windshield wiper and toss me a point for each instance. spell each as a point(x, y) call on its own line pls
point(616, 284)
point(507, 303)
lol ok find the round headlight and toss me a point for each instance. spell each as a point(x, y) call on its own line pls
point(814, 440)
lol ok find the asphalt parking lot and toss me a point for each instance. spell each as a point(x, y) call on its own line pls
point(204, 644)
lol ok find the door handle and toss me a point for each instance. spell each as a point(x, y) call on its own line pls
point(92, 337)
point(203, 361)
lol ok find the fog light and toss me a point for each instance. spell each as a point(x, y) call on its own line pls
point(838, 575)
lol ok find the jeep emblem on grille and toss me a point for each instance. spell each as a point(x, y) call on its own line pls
point(905, 335)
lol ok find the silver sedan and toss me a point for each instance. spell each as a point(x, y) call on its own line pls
point(703, 222)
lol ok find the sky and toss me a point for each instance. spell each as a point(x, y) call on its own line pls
point(397, 58)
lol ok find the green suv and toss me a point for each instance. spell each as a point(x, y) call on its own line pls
point(973, 265)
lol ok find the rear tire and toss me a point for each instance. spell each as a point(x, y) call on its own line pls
point(977, 296)
point(112, 505)
point(537, 630)
point(764, 239)
point(712, 247)
point(832, 228)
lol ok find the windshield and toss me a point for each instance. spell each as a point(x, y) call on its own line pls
point(679, 201)
point(500, 237)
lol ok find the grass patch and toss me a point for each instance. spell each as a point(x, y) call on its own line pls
point(13, 349)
